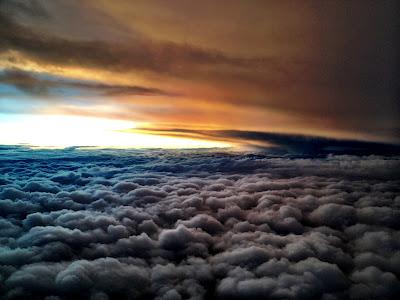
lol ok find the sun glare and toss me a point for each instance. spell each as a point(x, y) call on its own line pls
point(58, 131)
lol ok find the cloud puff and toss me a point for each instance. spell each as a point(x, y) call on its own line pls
point(132, 224)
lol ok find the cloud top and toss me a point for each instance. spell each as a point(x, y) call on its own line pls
point(131, 224)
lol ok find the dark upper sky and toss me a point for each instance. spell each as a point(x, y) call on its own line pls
point(325, 68)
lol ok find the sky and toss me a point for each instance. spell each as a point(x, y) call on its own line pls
point(142, 73)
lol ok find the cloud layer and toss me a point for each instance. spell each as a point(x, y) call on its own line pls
point(104, 224)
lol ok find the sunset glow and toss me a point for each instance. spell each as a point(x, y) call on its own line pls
point(57, 131)
point(268, 67)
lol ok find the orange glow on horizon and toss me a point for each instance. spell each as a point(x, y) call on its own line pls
point(59, 131)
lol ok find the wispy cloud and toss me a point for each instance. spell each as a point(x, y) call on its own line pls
point(48, 85)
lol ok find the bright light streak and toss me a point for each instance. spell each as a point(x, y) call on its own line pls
point(60, 131)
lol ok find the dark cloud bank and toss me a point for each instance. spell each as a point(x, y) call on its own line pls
point(106, 224)
point(282, 143)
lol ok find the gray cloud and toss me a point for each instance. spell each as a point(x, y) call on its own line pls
point(131, 224)
point(287, 143)
point(46, 85)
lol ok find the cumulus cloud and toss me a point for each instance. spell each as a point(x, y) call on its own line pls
point(197, 225)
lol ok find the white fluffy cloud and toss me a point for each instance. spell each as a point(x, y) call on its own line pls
point(104, 224)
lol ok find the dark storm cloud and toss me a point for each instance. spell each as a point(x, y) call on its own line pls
point(297, 62)
point(131, 224)
point(287, 143)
